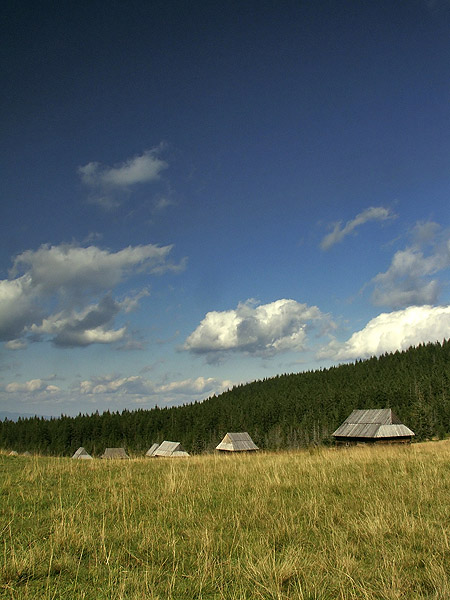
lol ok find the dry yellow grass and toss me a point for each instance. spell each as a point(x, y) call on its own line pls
point(367, 523)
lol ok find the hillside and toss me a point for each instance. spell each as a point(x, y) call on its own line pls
point(286, 411)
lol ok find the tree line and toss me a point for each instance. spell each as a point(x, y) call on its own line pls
point(286, 411)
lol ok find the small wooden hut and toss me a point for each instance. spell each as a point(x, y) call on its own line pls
point(237, 442)
point(82, 454)
point(372, 426)
point(151, 451)
point(113, 453)
point(170, 449)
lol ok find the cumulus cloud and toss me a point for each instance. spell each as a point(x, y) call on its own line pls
point(50, 290)
point(73, 269)
point(18, 307)
point(261, 330)
point(105, 181)
point(90, 326)
point(374, 213)
point(393, 331)
point(409, 278)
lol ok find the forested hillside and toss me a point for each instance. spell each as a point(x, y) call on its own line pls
point(286, 411)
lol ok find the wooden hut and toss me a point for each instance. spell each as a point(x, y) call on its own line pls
point(151, 451)
point(82, 454)
point(113, 453)
point(372, 426)
point(170, 449)
point(237, 442)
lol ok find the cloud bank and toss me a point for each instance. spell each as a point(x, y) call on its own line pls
point(107, 391)
point(259, 330)
point(137, 385)
point(393, 331)
point(32, 386)
point(374, 213)
point(63, 293)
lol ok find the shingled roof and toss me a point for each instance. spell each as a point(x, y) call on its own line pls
point(373, 424)
point(172, 449)
point(151, 451)
point(111, 453)
point(237, 442)
point(82, 454)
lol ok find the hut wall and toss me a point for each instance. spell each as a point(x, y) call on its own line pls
point(354, 441)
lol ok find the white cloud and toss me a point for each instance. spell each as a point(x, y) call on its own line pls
point(30, 387)
point(16, 345)
point(265, 329)
point(393, 331)
point(138, 169)
point(112, 392)
point(48, 292)
point(52, 389)
point(34, 396)
point(72, 269)
point(374, 213)
point(141, 388)
point(106, 181)
point(83, 328)
point(17, 307)
point(131, 303)
point(408, 280)
point(200, 385)
point(111, 385)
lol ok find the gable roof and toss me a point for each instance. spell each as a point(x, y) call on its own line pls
point(115, 453)
point(237, 442)
point(373, 423)
point(172, 449)
point(82, 454)
point(151, 450)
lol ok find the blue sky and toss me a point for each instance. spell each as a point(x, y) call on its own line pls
point(197, 195)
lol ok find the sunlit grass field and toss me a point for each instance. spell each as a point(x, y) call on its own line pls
point(363, 522)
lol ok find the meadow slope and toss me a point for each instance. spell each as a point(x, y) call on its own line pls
point(363, 522)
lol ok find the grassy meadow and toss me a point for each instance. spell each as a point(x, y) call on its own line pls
point(362, 522)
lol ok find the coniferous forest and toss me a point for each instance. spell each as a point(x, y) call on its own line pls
point(287, 411)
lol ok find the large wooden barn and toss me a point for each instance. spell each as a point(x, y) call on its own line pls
point(373, 426)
